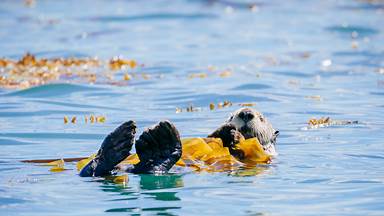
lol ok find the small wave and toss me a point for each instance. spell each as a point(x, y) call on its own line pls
point(52, 54)
point(366, 156)
point(69, 136)
point(11, 142)
point(364, 53)
point(10, 201)
point(205, 99)
point(151, 17)
point(290, 73)
point(77, 105)
point(257, 86)
point(51, 90)
point(134, 209)
point(349, 29)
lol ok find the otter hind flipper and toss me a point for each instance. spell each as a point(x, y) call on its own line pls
point(158, 148)
point(115, 148)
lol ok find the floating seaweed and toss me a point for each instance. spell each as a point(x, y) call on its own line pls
point(198, 75)
point(314, 97)
point(224, 104)
point(127, 77)
point(31, 71)
point(117, 63)
point(189, 108)
point(179, 110)
point(225, 73)
point(100, 119)
point(320, 121)
point(247, 104)
point(145, 76)
point(211, 106)
point(327, 121)
point(57, 165)
point(92, 119)
point(66, 120)
point(121, 179)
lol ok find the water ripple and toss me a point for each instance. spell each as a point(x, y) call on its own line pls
point(256, 86)
point(69, 136)
point(152, 17)
point(51, 90)
point(347, 30)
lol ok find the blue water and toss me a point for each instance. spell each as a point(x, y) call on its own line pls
point(279, 55)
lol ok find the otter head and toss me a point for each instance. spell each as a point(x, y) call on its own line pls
point(251, 123)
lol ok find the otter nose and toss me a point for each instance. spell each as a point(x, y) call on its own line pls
point(246, 115)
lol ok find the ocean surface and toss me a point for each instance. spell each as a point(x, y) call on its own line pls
point(294, 60)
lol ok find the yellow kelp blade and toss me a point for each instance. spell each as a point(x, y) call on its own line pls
point(180, 162)
point(214, 143)
point(194, 148)
point(197, 149)
point(80, 165)
point(253, 151)
point(57, 169)
point(195, 165)
point(123, 179)
point(225, 163)
point(55, 163)
point(131, 159)
point(118, 179)
point(214, 155)
point(251, 171)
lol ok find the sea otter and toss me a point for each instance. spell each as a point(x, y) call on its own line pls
point(159, 147)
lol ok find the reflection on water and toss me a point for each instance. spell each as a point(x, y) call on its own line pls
point(159, 210)
point(251, 171)
point(153, 182)
point(151, 187)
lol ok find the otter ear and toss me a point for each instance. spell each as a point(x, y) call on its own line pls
point(276, 134)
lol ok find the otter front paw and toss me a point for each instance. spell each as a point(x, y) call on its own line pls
point(115, 148)
point(228, 134)
point(236, 137)
point(158, 148)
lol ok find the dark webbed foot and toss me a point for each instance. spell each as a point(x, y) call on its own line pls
point(230, 136)
point(115, 148)
point(158, 148)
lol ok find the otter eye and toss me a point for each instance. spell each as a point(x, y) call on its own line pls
point(261, 118)
point(241, 115)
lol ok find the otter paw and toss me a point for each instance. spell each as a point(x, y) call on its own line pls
point(228, 134)
point(115, 148)
point(158, 148)
point(236, 136)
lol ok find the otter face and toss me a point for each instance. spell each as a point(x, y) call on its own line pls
point(251, 123)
